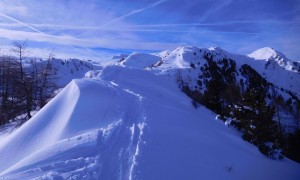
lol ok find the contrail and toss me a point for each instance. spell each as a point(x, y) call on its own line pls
point(143, 25)
point(128, 14)
point(38, 31)
point(179, 31)
point(136, 11)
point(22, 23)
point(208, 13)
point(45, 25)
point(153, 28)
point(213, 9)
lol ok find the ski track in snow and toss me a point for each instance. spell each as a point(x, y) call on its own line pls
point(135, 94)
point(129, 128)
point(140, 127)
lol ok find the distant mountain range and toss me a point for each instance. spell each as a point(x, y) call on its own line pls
point(269, 63)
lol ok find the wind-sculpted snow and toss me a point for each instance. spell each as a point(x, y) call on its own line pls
point(140, 60)
point(84, 105)
point(131, 124)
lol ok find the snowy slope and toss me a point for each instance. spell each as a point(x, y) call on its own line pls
point(64, 70)
point(276, 68)
point(176, 59)
point(269, 63)
point(270, 54)
point(191, 64)
point(140, 60)
point(131, 124)
point(263, 53)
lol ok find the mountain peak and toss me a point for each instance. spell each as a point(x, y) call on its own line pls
point(264, 53)
point(271, 55)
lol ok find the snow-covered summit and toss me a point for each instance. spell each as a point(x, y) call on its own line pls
point(273, 56)
point(140, 60)
point(216, 49)
point(264, 53)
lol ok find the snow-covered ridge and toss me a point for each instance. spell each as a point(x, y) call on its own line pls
point(269, 63)
point(131, 124)
point(264, 53)
point(140, 60)
point(273, 56)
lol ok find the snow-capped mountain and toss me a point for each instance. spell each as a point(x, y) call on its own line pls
point(266, 53)
point(131, 121)
point(139, 60)
point(270, 54)
point(277, 69)
point(196, 69)
point(269, 63)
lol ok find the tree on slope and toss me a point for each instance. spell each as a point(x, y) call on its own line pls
point(24, 89)
point(255, 120)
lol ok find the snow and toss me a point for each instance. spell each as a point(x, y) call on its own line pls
point(92, 73)
point(66, 70)
point(10, 127)
point(263, 53)
point(176, 59)
point(140, 60)
point(269, 63)
point(275, 58)
point(228, 122)
point(128, 123)
point(120, 57)
point(162, 53)
point(276, 68)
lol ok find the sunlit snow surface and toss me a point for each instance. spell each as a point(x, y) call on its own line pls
point(140, 60)
point(276, 68)
point(131, 124)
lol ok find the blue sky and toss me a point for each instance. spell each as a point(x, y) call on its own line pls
point(93, 29)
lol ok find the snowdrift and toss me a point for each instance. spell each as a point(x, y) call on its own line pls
point(140, 60)
point(131, 124)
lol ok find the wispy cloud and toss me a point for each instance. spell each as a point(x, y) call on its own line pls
point(93, 27)
point(115, 27)
point(83, 42)
point(8, 6)
point(71, 41)
point(214, 9)
point(39, 35)
point(133, 12)
point(20, 22)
